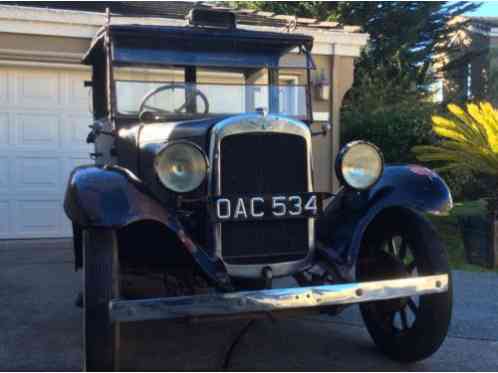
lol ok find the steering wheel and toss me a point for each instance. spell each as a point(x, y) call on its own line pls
point(189, 99)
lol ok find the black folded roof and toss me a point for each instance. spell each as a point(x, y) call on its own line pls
point(165, 45)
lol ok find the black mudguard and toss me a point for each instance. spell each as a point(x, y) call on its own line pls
point(112, 197)
point(341, 229)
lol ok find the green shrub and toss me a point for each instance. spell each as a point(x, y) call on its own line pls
point(395, 129)
point(466, 186)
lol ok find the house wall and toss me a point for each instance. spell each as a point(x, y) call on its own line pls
point(342, 73)
point(41, 48)
point(483, 69)
point(492, 66)
point(479, 65)
point(475, 71)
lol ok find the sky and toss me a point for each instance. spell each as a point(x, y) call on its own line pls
point(487, 9)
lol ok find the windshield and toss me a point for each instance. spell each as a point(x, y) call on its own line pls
point(164, 94)
point(163, 98)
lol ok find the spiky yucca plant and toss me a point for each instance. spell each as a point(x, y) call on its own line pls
point(469, 141)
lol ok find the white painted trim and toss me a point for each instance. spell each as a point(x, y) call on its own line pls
point(41, 56)
point(77, 24)
point(50, 15)
point(62, 16)
point(325, 49)
point(47, 28)
point(492, 32)
point(321, 116)
point(319, 35)
point(346, 50)
point(50, 65)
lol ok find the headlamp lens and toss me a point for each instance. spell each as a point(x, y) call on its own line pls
point(181, 166)
point(361, 165)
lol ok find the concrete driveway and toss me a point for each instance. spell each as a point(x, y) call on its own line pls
point(41, 328)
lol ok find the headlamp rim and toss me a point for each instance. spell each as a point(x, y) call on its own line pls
point(342, 153)
point(180, 142)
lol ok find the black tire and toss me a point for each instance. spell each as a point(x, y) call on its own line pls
point(430, 319)
point(100, 285)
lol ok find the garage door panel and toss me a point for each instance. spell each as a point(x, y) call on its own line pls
point(37, 174)
point(44, 122)
point(77, 95)
point(37, 218)
point(4, 86)
point(4, 174)
point(66, 228)
point(38, 88)
point(4, 129)
point(38, 129)
point(4, 218)
point(76, 131)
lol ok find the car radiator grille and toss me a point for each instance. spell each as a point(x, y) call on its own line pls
point(264, 163)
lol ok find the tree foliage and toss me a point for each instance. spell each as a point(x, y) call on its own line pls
point(322, 10)
point(404, 35)
point(389, 103)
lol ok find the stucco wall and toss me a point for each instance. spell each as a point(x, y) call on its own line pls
point(42, 48)
point(477, 65)
point(480, 64)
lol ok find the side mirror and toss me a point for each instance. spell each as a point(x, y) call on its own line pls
point(325, 129)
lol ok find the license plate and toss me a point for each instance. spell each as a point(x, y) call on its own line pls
point(264, 207)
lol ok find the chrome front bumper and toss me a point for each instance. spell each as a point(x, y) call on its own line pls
point(271, 300)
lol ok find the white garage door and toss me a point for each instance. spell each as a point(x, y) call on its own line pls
point(44, 120)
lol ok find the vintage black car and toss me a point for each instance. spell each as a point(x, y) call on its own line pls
point(203, 177)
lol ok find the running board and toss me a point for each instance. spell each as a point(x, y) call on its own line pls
point(271, 300)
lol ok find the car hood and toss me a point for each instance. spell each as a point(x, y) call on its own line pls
point(194, 130)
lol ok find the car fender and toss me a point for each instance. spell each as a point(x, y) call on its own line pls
point(110, 197)
point(347, 218)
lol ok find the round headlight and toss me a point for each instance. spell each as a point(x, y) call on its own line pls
point(181, 166)
point(359, 164)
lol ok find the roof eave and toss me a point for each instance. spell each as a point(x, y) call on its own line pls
point(79, 24)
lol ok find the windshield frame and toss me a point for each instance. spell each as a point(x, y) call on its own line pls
point(190, 78)
point(107, 45)
point(292, 96)
point(100, 55)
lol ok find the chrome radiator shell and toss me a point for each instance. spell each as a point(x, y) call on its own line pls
point(256, 123)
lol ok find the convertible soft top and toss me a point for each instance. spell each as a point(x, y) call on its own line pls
point(194, 46)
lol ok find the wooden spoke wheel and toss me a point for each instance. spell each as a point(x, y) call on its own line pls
point(396, 246)
point(100, 285)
